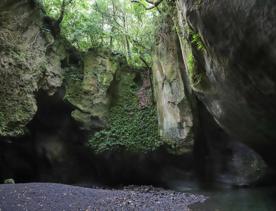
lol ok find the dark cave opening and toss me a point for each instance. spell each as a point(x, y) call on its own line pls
point(55, 150)
point(223, 160)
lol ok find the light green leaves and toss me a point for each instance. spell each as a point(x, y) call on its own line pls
point(123, 26)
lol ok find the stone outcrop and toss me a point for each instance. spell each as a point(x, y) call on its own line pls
point(87, 88)
point(172, 93)
point(231, 54)
point(33, 60)
point(29, 61)
point(219, 157)
point(223, 160)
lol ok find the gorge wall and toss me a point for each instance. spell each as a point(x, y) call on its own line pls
point(63, 110)
point(178, 87)
point(228, 46)
point(213, 86)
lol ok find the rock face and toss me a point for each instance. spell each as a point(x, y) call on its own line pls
point(87, 89)
point(44, 129)
point(173, 99)
point(233, 52)
point(221, 159)
point(29, 61)
point(228, 64)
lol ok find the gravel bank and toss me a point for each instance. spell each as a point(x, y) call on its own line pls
point(58, 197)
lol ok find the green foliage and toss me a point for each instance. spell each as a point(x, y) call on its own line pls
point(2, 120)
point(191, 64)
point(120, 25)
point(196, 40)
point(194, 75)
point(131, 127)
point(197, 75)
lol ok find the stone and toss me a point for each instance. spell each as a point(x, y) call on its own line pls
point(28, 63)
point(236, 64)
point(9, 181)
point(173, 99)
point(88, 93)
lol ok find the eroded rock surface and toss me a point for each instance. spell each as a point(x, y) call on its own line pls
point(233, 47)
point(87, 88)
point(29, 61)
point(173, 99)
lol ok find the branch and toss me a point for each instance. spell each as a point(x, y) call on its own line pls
point(145, 63)
point(109, 16)
point(153, 3)
point(139, 2)
point(62, 11)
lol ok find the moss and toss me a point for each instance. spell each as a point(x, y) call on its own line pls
point(195, 75)
point(194, 48)
point(86, 89)
point(130, 127)
point(197, 41)
point(26, 66)
point(9, 181)
point(191, 65)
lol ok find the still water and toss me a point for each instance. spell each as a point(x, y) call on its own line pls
point(246, 199)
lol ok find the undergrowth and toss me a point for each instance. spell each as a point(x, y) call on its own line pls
point(130, 127)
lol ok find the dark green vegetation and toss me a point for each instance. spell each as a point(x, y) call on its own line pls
point(122, 27)
point(131, 127)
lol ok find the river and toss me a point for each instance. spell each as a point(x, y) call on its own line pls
point(245, 199)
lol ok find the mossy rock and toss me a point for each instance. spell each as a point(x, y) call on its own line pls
point(9, 181)
point(87, 88)
point(26, 66)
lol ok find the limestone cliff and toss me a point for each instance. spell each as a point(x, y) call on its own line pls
point(174, 101)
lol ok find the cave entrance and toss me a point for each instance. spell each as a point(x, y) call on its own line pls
point(55, 150)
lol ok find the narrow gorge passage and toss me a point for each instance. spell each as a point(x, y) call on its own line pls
point(137, 105)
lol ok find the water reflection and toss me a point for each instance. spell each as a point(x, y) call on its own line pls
point(250, 199)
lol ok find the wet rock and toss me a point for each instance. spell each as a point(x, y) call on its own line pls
point(223, 160)
point(232, 51)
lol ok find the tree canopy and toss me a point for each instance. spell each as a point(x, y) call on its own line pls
point(124, 26)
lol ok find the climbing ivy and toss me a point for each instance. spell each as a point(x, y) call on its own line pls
point(130, 127)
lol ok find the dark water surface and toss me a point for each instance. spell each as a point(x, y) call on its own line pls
point(246, 199)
